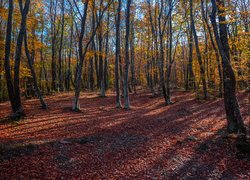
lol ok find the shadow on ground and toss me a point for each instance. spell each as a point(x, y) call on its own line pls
point(181, 141)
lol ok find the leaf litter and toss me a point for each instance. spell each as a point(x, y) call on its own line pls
point(185, 140)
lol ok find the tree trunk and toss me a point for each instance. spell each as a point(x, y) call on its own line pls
point(19, 112)
point(215, 50)
point(234, 118)
point(37, 90)
point(2, 28)
point(106, 55)
point(101, 69)
point(53, 5)
point(69, 73)
point(170, 56)
point(60, 50)
point(7, 57)
point(162, 79)
point(91, 73)
point(117, 55)
point(202, 71)
point(82, 52)
point(132, 45)
point(127, 60)
point(76, 104)
point(190, 79)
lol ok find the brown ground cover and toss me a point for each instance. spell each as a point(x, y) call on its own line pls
point(151, 141)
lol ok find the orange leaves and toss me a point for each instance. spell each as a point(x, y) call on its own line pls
point(24, 70)
point(4, 13)
point(91, 54)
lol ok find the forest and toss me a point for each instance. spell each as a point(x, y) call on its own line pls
point(123, 89)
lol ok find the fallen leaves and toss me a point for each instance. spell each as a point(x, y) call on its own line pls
point(183, 140)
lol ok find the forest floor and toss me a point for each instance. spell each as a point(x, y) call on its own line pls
point(151, 141)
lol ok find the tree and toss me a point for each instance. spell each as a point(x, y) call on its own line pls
point(76, 104)
point(132, 55)
point(60, 48)
point(42, 62)
point(117, 54)
point(69, 73)
point(105, 74)
point(202, 71)
point(83, 49)
point(158, 32)
point(214, 47)
point(170, 56)
point(14, 88)
point(101, 64)
point(54, 29)
point(127, 60)
point(234, 118)
point(2, 29)
point(30, 62)
point(7, 58)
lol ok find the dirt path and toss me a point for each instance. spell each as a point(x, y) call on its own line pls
point(181, 141)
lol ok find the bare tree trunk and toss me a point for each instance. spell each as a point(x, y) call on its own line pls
point(170, 55)
point(215, 50)
point(202, 71)
point(94, 49)
point(161, 30)
point(132, 45)
point(127, 60)
point(37, 90)
point(82, 52)
point(190, 79)
point(91, 72)
point(106, 54)
point(53, 5)
point(41, 59)
point(2, 27)
point(19, 112)
point(76, 104)
point(60, 49)
point(101, 69)
point(96, 65)
point(69, 73)
point(234, 118)
point(117, 55)
point(162, 79)
point(7, 57)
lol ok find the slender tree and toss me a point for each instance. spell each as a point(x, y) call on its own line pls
point(7, 57)
point(30, 63)
point(83, 49)
point(214, 47)
point(19, 112)
point(132, 56)
point(101, 67)
point(127, 60)
point(53, 14)
point(69, 73)
point(170, 56)
point(118, 55)
point(76, 104)
point(202, 71)
point(234, 118)
point(60, 48)
point(106, 75)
